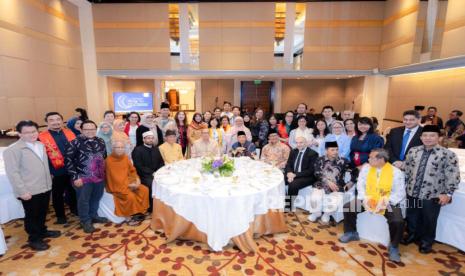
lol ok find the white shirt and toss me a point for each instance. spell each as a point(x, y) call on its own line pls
point(398, 193)
point(37, 148)
point(132, 134)
point(299, 166)
point(412, 133)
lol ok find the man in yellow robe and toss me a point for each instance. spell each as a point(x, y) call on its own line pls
point(170, 150)
point(131, 198)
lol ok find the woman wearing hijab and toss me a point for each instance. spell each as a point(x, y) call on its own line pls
point(194, 130)
point(105, 131)
point(231, 137)
point(148, 124)
point(74, 123)
point(343, 140)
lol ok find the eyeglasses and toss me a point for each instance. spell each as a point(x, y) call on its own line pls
point(89, 129)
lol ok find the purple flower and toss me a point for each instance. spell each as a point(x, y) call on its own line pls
point(217, 163)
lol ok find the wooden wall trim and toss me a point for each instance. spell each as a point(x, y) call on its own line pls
point(131, 25)
point(37, 35)
point(52, 11)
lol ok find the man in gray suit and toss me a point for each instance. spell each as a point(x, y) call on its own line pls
point(27, 168)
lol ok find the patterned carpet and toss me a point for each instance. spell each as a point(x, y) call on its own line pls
point(307, 249)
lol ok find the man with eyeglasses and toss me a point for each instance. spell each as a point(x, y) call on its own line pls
point(56, 139)
point(85, 162)
point(27, 168)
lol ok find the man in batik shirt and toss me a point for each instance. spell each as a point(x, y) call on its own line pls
point(327, 196)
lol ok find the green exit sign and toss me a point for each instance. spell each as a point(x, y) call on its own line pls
point(257, 82)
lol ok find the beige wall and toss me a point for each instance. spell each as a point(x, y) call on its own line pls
point(132, 36)
point(354, 94)
point(316, 93)
point(443, 89)
point(454, 30)
point(400, 27)
point(40, 60)
point(212, 89)
point(342, 35)
point(236, 36)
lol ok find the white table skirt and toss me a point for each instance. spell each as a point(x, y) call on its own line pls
point(216, 206)
point(106, 208)
point(10, 207)
point(451, 222)
point(3, 247)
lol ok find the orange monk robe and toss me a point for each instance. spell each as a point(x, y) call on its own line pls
point(120, 173)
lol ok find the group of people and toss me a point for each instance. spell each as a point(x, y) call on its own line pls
point(333, 155)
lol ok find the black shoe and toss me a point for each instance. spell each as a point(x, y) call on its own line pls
point(61, 221)
point(99, 220)
point(39, 245)
point(139, 217)
point(88, 227)
point(52, 234)
point(408, 239)
point(425, 249)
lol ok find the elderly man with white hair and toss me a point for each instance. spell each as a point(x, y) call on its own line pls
point(147, 160)
point(299, 171)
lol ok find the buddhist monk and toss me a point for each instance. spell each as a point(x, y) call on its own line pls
point(131, 198)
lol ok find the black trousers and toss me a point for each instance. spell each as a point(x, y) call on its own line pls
point(422, 218)
point(147, 182)
point(393, 215)
point(293, 189)
point(61, 185)
point(35, 210)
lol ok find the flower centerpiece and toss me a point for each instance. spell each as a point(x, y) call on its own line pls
point(224, 166)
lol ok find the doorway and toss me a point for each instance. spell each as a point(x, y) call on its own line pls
point(257, 94)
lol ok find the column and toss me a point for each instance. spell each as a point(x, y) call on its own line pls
point(289, 36)
point(375, 96)
point(95, 105)
point(159, 95)
point(198, 96)
point(237, 92)
point(431, 16)
point(278, 87)
point(185, 57)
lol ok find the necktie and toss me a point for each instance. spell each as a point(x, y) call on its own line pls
point(404, 144)
point(297, 163)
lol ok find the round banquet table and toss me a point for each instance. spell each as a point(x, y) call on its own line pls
point(191, 205)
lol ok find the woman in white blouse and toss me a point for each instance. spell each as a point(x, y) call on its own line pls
point(320, 131)
point(216, 132)
point(301, 131)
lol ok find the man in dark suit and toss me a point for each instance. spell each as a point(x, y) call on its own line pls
point(302, 111)
point(299, 170)
point(401, 139)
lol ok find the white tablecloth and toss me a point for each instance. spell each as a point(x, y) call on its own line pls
point(10, 207)
point(216, 206)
